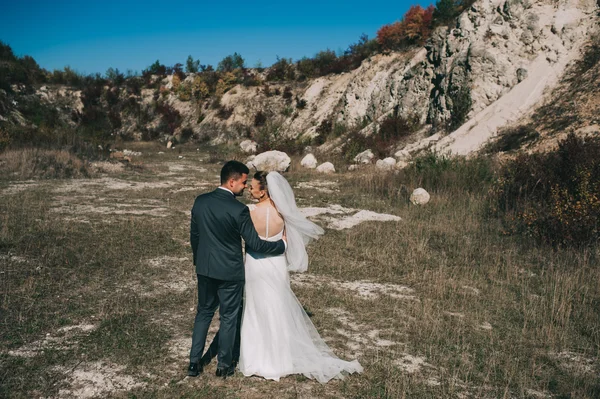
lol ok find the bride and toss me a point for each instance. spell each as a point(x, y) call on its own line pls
point(277, 336)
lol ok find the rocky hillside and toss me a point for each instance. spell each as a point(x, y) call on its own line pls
point(488, 70)
point(501, 58)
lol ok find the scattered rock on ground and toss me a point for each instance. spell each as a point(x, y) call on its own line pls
point(309, 161)
point(248, 146)
point(420, 196)
point(364, 157)
point(270, 161)
point(385, 164)
point(326, 167)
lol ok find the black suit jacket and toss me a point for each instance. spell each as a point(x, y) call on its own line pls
point(218, 223)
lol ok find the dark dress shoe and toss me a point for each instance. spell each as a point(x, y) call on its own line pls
point(225, 371)
point(195, 369)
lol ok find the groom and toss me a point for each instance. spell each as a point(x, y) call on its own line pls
point(218, 224)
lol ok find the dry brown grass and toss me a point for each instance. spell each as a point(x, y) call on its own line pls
point(30, 163)
point(492, 316)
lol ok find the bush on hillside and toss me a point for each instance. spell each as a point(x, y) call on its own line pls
point(231, 62)
point(513, 139)
point(393, 127)
point(170, 118)
point(553, 197)
point(414, 28)
point(260, 119)
point(282, 69)
point(460, 106)
point(225, 112)
point(445, 11)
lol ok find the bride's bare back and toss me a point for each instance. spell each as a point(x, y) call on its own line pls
point(259, 212)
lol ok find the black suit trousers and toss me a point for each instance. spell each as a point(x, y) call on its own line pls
point(227, 296)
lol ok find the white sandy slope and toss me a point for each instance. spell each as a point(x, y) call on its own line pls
point(566, 26)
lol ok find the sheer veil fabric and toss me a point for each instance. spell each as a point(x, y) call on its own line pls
point(277, 336)
point(299, 230)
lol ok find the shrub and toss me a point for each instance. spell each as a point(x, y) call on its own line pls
point(287, 94)
point(325, 127)
point(115, 77)
point(269, 137)
point(445, 11)
point(225, 83)
point(354, 144)
point(250, 79)
point(186, 134)
point(306, 68)
point(513, 139)
point(282, 69)
point(260, 119)
point(178, 71)
point(134, 85)
point(155, 69)
point(553, 197)
point(323, 62)
point(184, 93)
point(199, 88)
point(300, 103)
point(230, 63)
point(394, 127)
point(225, 112)
point(176, 81)
point(191, 66)
point(216, 103)
point(391, 36)
point(414, 28)
point(461, 103)
point(170, 117)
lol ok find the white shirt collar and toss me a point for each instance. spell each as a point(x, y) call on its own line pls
point(226, 189)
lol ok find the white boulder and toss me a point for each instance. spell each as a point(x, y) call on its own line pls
point(364, 157)
point(309, 161)
point(420, 196)
point(248, 146)
point(385, 164)
point(270, 161)
point(326, 167)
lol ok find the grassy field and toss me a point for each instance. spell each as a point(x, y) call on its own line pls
point(98, 290)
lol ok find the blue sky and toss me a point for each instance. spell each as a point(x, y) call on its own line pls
point(92, 36)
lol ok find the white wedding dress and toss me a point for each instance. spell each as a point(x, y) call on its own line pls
point(277, 336)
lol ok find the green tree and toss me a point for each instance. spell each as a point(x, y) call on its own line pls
point(230, 63)
point(192, 66)
point(445, 11)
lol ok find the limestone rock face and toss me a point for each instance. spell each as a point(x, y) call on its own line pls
point(248, 146)
point(420, 197)
point(402, 155)
point(364, 157)
point(326, 167)
point(385, 164)
point(270, 161)
point(309, 161)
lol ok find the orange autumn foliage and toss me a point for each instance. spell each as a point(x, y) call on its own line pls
point(414, 28)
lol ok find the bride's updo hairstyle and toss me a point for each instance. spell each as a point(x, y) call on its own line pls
point(262, 180)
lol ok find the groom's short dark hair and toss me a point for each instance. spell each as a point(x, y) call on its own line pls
point(233, 170)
